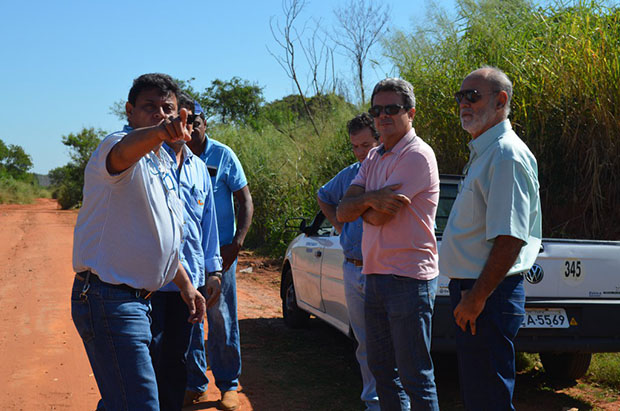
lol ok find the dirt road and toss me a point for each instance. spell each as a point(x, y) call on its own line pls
point(44, 366)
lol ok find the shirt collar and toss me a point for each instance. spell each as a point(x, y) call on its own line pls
point(402, 143)
point(187, 153)
point(479, 144)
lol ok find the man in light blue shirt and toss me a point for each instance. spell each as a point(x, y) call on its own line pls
point(493, 235)
point(223, 345)
point(363, 136)
point(200, 256)
point(126, 245)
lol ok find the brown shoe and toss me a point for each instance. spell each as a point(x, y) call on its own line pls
point(230, 401)
point(192, 397)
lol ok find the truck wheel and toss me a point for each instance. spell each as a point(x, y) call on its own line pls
point(294, 316)
point(570, 365)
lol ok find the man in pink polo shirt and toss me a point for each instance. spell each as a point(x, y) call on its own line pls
point(396, 192)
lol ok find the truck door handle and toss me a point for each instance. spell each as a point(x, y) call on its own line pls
point(318, 253)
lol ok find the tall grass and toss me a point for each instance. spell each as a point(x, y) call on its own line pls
point(285, 167)
point(19, 192)
point(563, 60)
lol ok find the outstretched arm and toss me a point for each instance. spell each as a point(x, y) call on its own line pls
point(139, 142)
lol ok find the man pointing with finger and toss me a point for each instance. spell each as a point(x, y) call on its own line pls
point(126, 245)
point(396, 192)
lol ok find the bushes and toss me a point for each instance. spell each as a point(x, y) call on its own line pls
point(285, 168)
point(565, 67)
point(13, 191)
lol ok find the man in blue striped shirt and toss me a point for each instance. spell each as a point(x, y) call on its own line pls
point(200, 256)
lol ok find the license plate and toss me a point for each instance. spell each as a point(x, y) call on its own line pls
point(545, 318)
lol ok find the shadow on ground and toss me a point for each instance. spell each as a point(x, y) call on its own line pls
point(314, 368)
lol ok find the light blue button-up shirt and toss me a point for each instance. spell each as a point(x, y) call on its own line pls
point(499, 196)
point(129, 228)
point(227, 176)
point(200, 247)
point(331, 193)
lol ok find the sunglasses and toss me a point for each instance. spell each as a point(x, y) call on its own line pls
point(471, 96)
point(191, 118)
point(390, 109)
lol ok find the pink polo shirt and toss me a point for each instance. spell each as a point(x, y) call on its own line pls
point(405, 245)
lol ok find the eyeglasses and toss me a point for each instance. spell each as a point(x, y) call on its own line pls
point(472, 95)
point(390, 109)
point(191, 118)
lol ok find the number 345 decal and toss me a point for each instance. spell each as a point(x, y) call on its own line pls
point(573, 271)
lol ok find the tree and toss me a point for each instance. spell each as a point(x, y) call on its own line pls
point(69, 179)
point(361, 25)
point(14, 161)
point(234, 101)
point(286, 37)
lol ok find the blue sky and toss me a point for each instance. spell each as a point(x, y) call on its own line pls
point(64, 63)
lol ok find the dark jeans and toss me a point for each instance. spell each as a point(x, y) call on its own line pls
point(398, 313)
point(115, 328)
point(487, 359)
point(171, 333)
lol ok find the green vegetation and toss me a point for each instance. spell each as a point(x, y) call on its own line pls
point(17, 184)
point(285, 162)
point(605, 371)
point(565, 66)
point(68, 180)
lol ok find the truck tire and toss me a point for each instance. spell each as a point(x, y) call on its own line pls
point(570, 365)
point(294, 316)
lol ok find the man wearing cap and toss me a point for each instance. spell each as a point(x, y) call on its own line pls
point(126, 245)
point(223, 345)
point(200, 256)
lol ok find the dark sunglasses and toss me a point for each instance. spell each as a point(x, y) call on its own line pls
point(191, 118)
point(472, 95)
point(390, 109)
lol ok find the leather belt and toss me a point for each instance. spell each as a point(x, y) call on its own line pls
point(357, 263)
point(142, 293)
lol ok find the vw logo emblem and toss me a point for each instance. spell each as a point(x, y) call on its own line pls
point(535, 274)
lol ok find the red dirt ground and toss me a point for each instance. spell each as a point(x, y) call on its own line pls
point(44, 365)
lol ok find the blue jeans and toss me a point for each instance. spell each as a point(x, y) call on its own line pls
point(398, 333)
point(115, 328)
point(171, 332)
point(487, 359)
point(354, 284)
point(223, 345)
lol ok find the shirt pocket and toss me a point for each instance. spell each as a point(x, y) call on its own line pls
point(197, 199)
point(465, 208)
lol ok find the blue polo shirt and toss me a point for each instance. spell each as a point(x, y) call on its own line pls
point(331, 193)
point(499, 196)
point(200, 247)
point(129, 228)
point(227, 176)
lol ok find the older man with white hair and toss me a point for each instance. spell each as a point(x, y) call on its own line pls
point(492, 237)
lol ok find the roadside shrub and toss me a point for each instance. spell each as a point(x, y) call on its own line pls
point(563, 60)
point(14, 191)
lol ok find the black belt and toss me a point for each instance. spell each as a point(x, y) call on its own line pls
point(89, 276)
point(357, 263)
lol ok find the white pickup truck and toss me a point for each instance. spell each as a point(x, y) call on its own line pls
point(572, 305)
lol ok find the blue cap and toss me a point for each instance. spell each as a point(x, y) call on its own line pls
point(197, 108)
